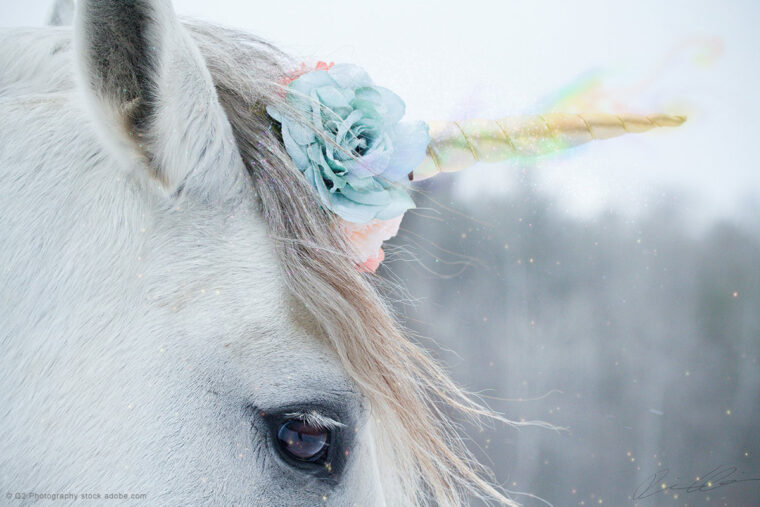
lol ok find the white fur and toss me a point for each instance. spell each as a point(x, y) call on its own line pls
point(138, 322)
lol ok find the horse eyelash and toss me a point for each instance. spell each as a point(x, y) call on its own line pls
point(316, 419)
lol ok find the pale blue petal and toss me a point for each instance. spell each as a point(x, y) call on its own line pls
point(309, 81)
point(274, 113)
point(316, 110)
point(301, 134)
point(410, 141)
point(349, 122)
point(314, 176)
point(352, 212)
point(397, 202)
point(295, 151)
point(347, 75)
point(364, 185)
point(374, 162)
point(400, 202)
point(380, 103)
point(378, 198)
point(317, 158)
point(334, 98)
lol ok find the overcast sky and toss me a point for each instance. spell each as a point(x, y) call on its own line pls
point(493, 58)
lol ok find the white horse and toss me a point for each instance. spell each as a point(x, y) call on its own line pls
point(179, 319)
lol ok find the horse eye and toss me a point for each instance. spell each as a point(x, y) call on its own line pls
point(303, 441)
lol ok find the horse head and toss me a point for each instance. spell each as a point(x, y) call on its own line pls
point(181, 318)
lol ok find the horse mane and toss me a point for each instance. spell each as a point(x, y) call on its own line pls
point(419, 446)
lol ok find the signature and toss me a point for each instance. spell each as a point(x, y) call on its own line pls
point(716, 478)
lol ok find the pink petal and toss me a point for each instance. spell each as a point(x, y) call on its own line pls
point(371, 264)
point(368, 238)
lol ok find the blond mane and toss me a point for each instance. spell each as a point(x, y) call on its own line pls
point(419, 445)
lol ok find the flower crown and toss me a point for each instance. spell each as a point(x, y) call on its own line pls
point(346, 136)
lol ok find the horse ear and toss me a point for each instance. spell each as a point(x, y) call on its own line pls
point(151, 93)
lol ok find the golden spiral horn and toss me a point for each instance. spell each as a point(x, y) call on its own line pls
point(457, 145)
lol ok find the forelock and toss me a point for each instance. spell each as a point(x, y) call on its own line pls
point(408, 392)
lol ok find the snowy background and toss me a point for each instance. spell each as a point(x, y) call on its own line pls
point(615, 289)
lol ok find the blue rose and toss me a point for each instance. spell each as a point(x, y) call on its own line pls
point(360, 163)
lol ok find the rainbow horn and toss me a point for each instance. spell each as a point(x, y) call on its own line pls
point(458, 145)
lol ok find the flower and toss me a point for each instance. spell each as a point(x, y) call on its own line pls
point(367, 240)
point(344, 134)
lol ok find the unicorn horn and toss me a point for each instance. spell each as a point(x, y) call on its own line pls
point(457, 145)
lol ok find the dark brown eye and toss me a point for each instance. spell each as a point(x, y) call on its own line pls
point(303, 441)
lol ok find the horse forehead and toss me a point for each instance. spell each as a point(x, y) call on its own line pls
point(225, 250)
point(222, 268)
